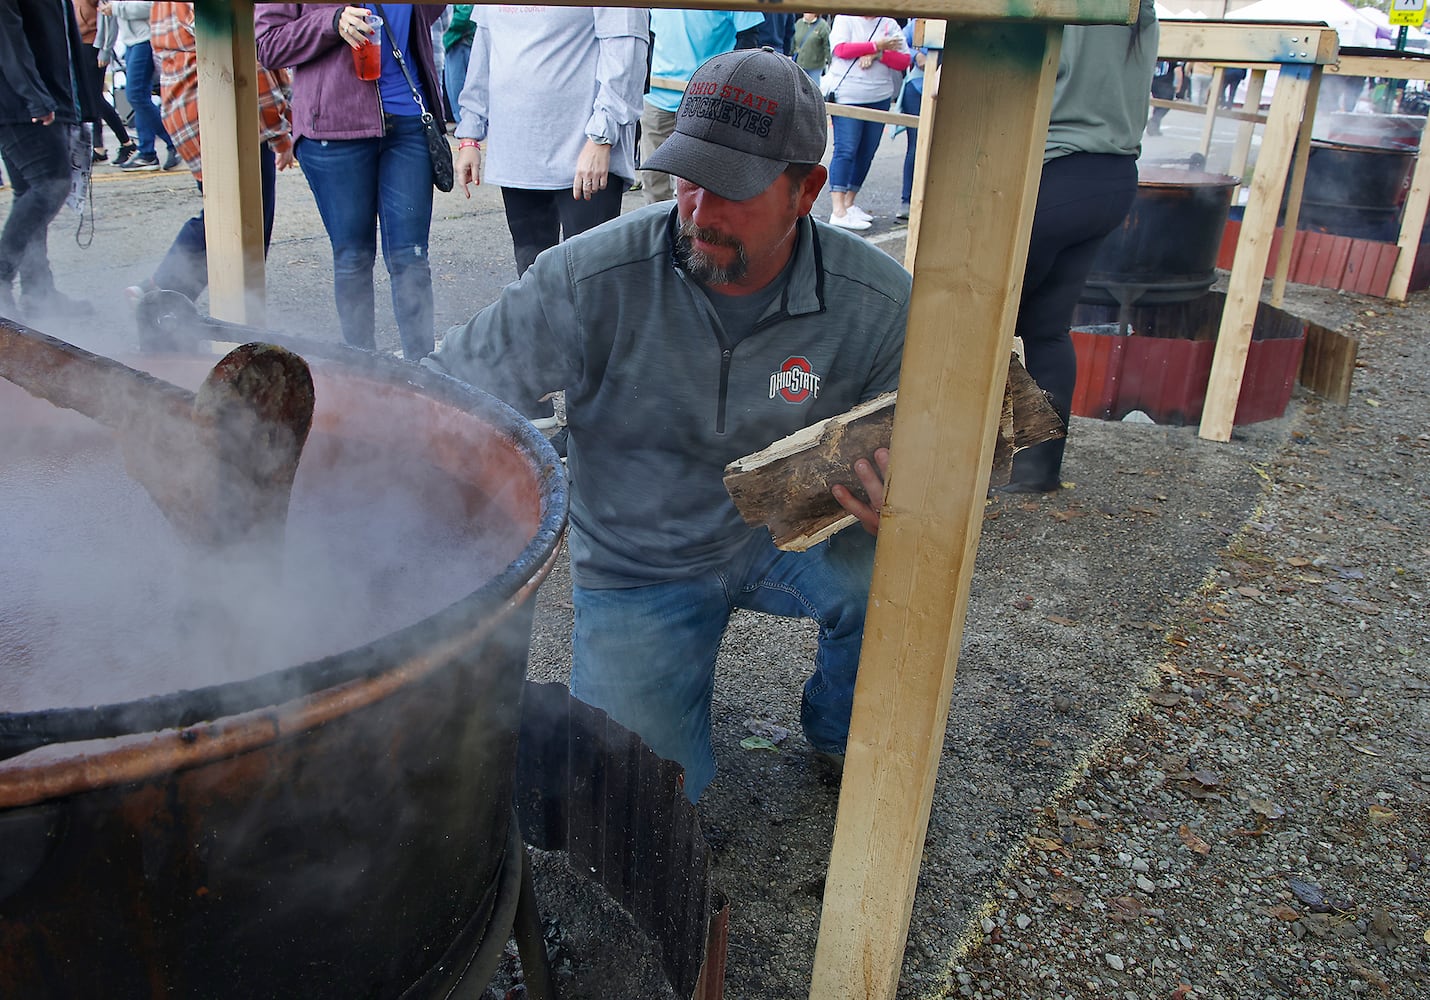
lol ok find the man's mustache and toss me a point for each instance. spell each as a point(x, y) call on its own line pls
point(690, 231)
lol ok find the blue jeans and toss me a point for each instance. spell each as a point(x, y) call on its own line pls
point(854, 144)
point(646, 655)
point(37, 160)
point(909, 103)
point(359, 185)
point(185, 268)
point(139, 89)
point(454, 75)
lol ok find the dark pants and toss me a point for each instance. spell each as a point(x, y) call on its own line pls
point(1163, 88)
point(541, 219)
point(38, 164)
point(1230, 80)
point(185, 268)
point(1082, 198)
point(94, 81)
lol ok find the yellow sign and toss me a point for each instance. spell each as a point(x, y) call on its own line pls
point(1409, 13)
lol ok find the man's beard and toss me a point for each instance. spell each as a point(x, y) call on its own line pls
point(700, 265)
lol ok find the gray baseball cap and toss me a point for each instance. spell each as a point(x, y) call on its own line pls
point(745, 116)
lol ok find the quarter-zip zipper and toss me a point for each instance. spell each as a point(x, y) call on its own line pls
point(726, 355)
point(727, 350)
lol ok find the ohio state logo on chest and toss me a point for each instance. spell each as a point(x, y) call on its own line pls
point(795, 381)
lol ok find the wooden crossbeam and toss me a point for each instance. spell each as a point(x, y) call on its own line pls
point(1241, 43)
point(872, 115)
point(1390, 67)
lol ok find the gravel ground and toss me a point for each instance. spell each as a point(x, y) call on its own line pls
point(1187, 748)
point(1256, 826)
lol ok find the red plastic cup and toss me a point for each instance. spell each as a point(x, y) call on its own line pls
point(367, 57)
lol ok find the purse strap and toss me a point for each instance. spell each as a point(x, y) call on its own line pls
point(835, 89)
point(402, 63)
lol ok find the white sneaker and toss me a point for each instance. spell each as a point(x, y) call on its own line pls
point(848, 222)
point(858, 213)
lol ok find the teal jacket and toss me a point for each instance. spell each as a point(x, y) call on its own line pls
point(660, 397)
point(460, 30)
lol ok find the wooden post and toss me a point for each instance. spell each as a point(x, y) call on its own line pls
point(927, 109)
point(1241, 150)
point(1209, 118)
point(1417, 202)
point(1298, 186)
point(1253, 247)
point(233, 193)
point(973, 239)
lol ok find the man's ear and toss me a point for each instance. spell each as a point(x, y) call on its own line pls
point(809, 190)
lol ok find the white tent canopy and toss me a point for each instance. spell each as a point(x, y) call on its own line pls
point(1386, 33)
point(1164, 13)
point(1350, 26)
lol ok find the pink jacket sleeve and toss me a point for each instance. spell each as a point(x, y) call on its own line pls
point(853, 50)
point(895, 60)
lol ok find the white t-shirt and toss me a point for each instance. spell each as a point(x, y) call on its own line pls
point(862, 86)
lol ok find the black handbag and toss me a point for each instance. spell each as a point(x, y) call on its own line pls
point(439, 150)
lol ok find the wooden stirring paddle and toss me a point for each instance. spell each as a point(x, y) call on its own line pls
point(219, 463)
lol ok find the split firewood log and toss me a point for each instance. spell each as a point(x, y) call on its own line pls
point(786, 485)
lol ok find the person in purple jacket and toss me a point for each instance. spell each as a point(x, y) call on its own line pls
point(362, 148)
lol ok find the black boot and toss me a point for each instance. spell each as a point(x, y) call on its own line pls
point(1037, 469)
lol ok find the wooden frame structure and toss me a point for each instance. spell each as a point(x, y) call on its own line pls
point(1300, 52)
point(1396, 66)
point(981, 157)
point(1417, 201)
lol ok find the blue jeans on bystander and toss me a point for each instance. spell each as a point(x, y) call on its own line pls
point(139, 89)
point(454, 75)
point(363, 184)
point(854, 144)
point(646, 655)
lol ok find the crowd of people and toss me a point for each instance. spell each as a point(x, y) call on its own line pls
point(502, 76)
point(699, 328)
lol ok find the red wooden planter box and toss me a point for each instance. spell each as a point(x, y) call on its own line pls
point(1163, 367)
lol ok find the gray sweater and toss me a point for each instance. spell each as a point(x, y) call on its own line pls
point(659, 397)
point(132, 16)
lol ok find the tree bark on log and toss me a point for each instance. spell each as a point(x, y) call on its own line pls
point(786, 486)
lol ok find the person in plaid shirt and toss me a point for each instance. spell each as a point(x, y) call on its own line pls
point(171, 25)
